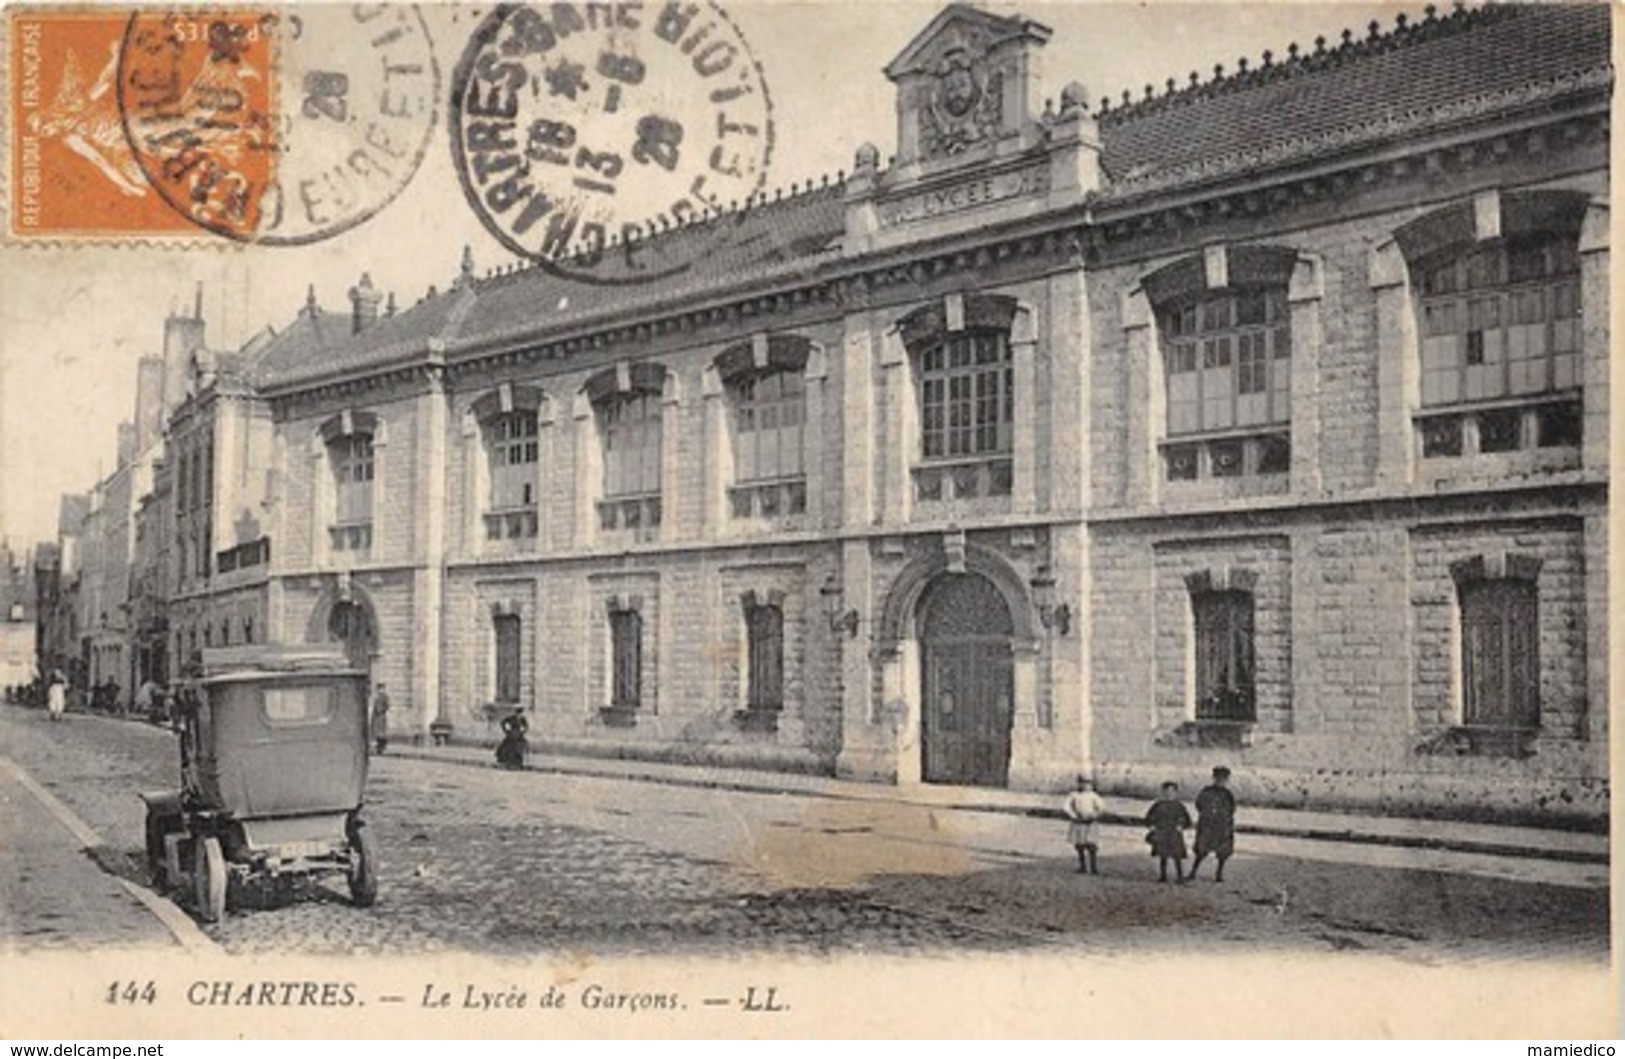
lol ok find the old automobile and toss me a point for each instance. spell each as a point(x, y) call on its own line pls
point(273, 764)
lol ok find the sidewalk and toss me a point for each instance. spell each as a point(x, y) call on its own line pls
point(1454, 836)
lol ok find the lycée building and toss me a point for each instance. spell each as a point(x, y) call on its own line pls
point(1262, 419)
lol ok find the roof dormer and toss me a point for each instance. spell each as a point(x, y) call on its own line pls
point(966, 83)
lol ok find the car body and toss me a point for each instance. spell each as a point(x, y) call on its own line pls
point(273, 748)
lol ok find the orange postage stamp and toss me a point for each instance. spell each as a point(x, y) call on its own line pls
point(83, 80)
point(266, 125)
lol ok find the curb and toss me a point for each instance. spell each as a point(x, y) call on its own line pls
point(179, 924)
point(1314, 834)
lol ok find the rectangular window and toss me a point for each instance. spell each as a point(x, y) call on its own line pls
point(626, 651)
point(1224, 656)
point(513, 451)
point(631, 436)
point(966, 401)
point(769, 421)
point(764, 629)
point(1227, 362)
point(1500, 656)
point(506, 629)
point(353, 474)
point(1501, 320)
point(292, 705)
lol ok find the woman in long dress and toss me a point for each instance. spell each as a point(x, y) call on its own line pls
point(56, 697)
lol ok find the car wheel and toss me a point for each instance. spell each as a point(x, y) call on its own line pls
point(209, 873)
point(159, 825)
point(363, 868)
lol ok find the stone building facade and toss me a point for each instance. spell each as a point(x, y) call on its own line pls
point(1263, 421)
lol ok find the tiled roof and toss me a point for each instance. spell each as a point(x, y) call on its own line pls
point(756, 243)
point(1443, 69)
point(1384, 84)
point(761, 242)
point(323, 342)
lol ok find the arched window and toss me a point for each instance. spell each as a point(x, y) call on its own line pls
point(769, 414)
point(631, 429)
point(965, 385)
point(1225, 326)
point(767, 402)
point(512, 448)
point(509, 422)
point(1498, 299)
point(1501, 321)
point(348, 437)
point(627, 404)
point(351, 457)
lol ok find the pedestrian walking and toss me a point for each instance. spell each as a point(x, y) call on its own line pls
point(379, 713)
point(56, 697)
point(145, 698)
point(1168, 819)
point(1083, 811)
point(1215, 823)
point(513, 749)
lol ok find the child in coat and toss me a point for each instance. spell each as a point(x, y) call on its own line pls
point(1168, 819)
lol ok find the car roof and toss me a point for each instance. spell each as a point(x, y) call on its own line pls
point(266, 661)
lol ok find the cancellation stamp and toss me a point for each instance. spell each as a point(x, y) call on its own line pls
point(582, 131)
point(283, 126)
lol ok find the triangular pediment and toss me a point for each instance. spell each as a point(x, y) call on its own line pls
point(954, 24)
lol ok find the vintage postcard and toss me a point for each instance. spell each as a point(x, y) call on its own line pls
point(738, 519)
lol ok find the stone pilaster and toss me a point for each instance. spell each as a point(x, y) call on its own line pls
point(858, 420)
point(428, 581)
point(715, 474)
point(897, 490)
point(1397, 368)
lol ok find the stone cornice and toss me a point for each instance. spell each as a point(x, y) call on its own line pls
point(1488, 130)
point(348, 384)
point(1562, 494)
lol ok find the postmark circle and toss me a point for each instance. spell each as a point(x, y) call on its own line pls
point(582, 132)
point(279, 126)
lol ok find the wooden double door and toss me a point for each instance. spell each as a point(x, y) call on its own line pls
point(967, 673)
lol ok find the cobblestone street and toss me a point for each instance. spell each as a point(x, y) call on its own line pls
point(491, 862)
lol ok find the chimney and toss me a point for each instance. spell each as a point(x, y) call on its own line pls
point(364, 302)
point(149, 401)
point(182, 335)
point(126, 444)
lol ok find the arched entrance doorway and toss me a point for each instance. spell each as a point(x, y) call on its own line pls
point(350, 623)
point(966, 643)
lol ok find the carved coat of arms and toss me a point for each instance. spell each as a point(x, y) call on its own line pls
point(963, 105)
